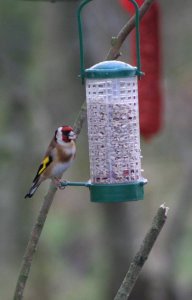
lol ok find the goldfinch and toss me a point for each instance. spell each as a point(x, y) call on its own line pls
point(58, 158)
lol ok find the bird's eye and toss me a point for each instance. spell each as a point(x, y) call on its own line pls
point(65, 132)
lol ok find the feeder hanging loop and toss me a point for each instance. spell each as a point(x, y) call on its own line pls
point(80, 31)
point(79, 19)
point(137, 37)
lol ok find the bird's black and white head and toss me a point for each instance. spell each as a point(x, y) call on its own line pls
point(64, 134)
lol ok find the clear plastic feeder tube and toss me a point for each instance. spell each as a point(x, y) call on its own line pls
point(113, 130)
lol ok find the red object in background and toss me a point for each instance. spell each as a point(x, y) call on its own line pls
point(129, 6)
point(150, 93)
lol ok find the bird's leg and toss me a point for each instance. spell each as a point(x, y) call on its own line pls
point(58, 183)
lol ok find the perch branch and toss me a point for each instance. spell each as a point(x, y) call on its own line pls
point(38, 227)
point(32, 244)
point(142, 255)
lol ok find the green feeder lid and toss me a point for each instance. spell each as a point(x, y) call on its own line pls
point(111, 69)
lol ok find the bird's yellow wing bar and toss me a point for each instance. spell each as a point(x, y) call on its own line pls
point(44, 164)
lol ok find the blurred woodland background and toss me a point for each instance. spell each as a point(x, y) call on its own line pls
point(85, 248)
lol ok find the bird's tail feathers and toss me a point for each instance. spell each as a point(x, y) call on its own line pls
point(32, 190)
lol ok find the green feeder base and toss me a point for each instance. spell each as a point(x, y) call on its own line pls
point(117, 192)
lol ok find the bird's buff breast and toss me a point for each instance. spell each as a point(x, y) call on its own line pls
point(60, 168)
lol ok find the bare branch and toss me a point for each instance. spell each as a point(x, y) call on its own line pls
point(114, 51)
point(78, 124)
point(32, 244)
point(142, 255)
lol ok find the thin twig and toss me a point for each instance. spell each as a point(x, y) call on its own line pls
point(38, 227)
point(114, 51)
point(32, 244)
point(142, 255)
point(78, 124)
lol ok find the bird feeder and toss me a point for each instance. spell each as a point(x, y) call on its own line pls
point(113, 132)
point(113, 127)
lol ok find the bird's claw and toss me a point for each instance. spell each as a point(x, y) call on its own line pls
point(59, 184)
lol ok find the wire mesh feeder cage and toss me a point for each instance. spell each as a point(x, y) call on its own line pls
point(113, 132)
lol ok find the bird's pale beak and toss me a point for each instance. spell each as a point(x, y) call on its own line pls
point(72, 135)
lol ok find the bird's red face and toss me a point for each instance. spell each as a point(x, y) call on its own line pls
point(65, 134)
